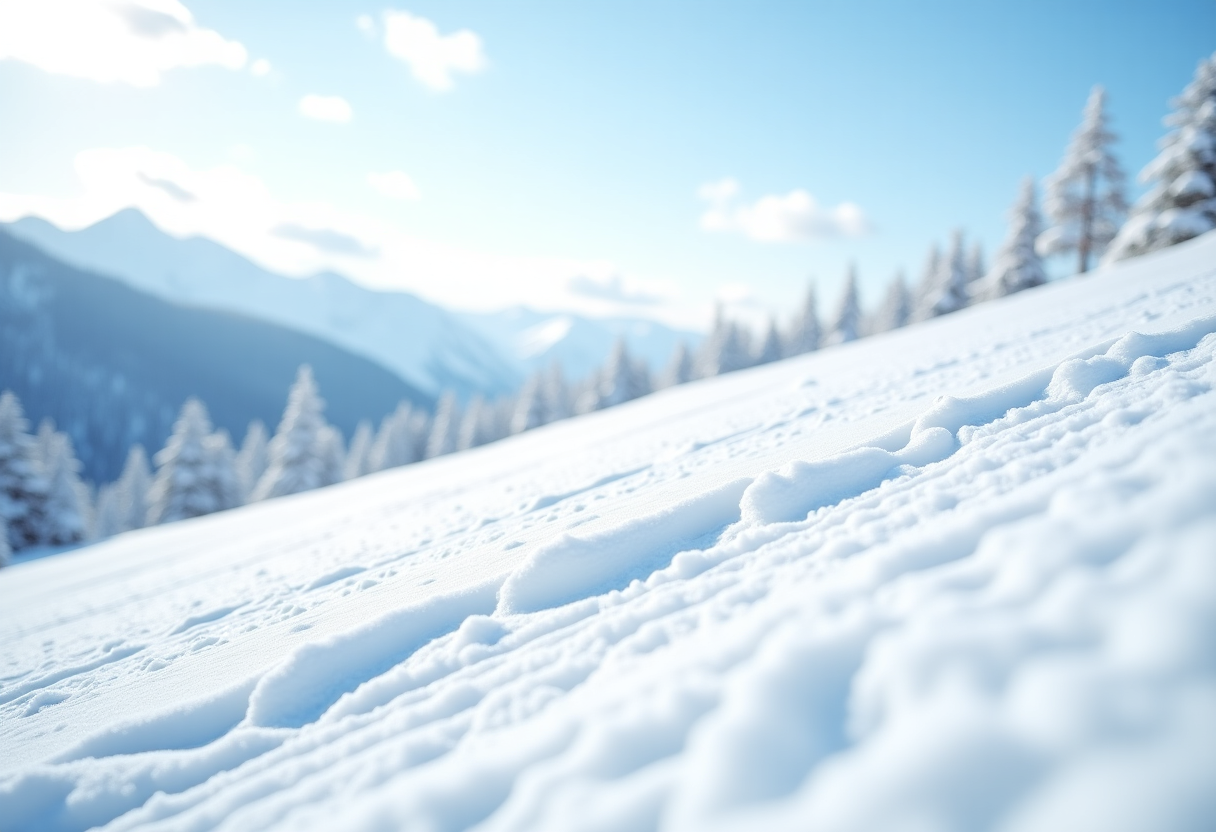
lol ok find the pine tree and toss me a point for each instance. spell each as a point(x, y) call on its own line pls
point(947, 290)
point(442, 439)
point(399, 439)
point(181, 488)
point(680, 369)
point(469, 433)
point(67, 507)
point(1017, 265)
point(806, 332)
point(251, 459)
point(847, 324)
point(556, 394)
point(771, 348)
point(6, 552)
point(332, 451)
point(621, 379)
point(357, 457)
point(23, 489)
point(896, 306)
point(725, 350)
point(1181, 203)
point(219, 474)
point(106, 521)
point(1085, 195)
point(295, 460)
point(975, 264)
point(529, 411)
point(130, 493)
point(926, 287)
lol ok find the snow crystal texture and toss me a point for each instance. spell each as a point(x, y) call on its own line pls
point(957, 577)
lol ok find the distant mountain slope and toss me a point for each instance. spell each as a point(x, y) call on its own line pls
point(112, 365)
point(536, 339)
point(422, 343)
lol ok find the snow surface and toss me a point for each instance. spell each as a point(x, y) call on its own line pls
point(960, 576)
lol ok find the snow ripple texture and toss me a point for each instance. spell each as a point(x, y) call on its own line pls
point(959, 577)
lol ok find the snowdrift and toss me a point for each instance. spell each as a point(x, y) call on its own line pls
point(956, 577)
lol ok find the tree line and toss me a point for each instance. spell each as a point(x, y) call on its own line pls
point(43, 501)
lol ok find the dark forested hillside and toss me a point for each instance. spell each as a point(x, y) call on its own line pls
point(112, 365)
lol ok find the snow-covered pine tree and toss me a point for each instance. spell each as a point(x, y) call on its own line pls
point(295, 462)
point(771, 348)
point(469, 434)
point(926, 288)
point(67, 512)
point(805, 330)
point(196, 472)
point(1085, 201)
point(725, 350)
point(251, 459)
point(129, 493)
point(556, 394)
point(399, 439)
point(442, 438)
point(106, 522)
point(1181, 203)
point(895, 309)
point(621, 379)
point(846, 326)
point(976, 268)
point(23, 489)
point(360, 449)
point(1017, 265)
point(6, 552)
point(949, 286)
point(530, 411)
point(219, 473)
point(680, 369)
point(332, 450)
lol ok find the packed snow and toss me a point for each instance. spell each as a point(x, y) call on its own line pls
point(960, 576)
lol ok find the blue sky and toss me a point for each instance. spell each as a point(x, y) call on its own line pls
point(557, 154)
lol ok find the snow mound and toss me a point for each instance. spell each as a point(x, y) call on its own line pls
point(955, 577)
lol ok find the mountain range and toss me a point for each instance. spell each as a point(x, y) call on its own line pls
point(112, 365)
point(429, 347)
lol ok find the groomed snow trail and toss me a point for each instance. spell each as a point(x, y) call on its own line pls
point(958, 577)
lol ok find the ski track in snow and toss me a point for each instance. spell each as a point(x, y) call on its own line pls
point(959, 577)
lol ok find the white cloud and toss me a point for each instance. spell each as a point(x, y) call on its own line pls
point(365, 24)
point(432, 57)
point(108, 42)
point(332, 108)
point(793, 217)
point(395, 184)
point(238, 210)
point(260, 67)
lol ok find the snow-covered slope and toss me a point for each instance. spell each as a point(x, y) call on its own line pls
point(956, 577)
point(534, 340)
point(424, 344)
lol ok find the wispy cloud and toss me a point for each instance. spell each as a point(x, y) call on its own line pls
point(324, 239)
point(237, 209)
point(792, 217)
point(122, 42)
point(612, 288)
point(168, 186)
point(395, 184)
point(331, 108)
point(432, 58)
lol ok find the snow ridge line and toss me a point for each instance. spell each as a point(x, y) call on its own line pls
point(799, 488)
point(315, 675)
